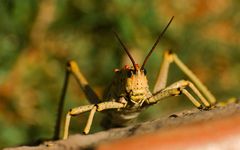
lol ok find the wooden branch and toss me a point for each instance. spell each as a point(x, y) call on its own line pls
point(174, 121)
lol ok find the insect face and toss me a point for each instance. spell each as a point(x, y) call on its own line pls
point(136, 84)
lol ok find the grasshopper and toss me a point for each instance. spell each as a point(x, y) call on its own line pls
point(128, 94)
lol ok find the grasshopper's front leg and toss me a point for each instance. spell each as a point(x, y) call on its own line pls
point(170, 57)
point(92, 108)
point(72, 68)
point(178, 88)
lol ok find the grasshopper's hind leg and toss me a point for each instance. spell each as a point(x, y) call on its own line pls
point(163, 73)
point(170, 57)
point(72, 68)
point(195, 79)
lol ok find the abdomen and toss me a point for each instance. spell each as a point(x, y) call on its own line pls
point(113, 118)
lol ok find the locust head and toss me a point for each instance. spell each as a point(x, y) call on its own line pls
point(136, 84)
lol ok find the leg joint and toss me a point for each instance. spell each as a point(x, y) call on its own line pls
point(97, 107)
point(169, 55)
point(71, 112)
point(72, 66)
point(180, 91)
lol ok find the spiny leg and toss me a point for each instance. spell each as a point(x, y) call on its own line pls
point(176, 89)
point(74, 112)
point(197, 92)
point(92, 108)
point(170, 57)
point(182, 84)
point(192, 99)
point(72, 68)
point(163, 73)
point(172, 92)
point(90, 120)
point(195, 79)
point(57, 128)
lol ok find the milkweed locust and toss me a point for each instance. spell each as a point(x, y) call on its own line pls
point(128, 94)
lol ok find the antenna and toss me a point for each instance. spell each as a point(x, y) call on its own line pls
point(157, 41)
point(126, 50)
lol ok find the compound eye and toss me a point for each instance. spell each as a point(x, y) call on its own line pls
point(129, 73)
point(134, 71)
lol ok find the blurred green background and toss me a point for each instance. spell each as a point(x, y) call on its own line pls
point(37, 37)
